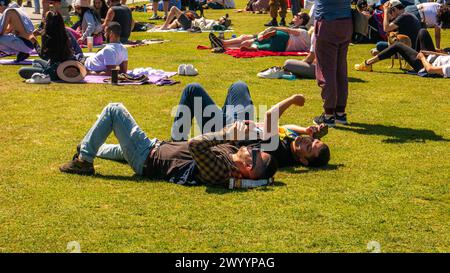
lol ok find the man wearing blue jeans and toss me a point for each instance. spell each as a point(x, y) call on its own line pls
point(209, 158)
point(196, 102)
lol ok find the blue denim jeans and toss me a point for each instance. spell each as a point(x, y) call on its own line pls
point(238, 106)
point(134, 146)
point(12, 44)
point(382, 45)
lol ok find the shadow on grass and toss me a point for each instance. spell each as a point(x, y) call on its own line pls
point(395, 134)
point(329, 167)
point(352, 79)
point(208, 188)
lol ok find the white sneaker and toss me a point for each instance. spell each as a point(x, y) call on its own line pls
point(190, 70)
point(274, 72)
point(182, 69)
point(39, 78)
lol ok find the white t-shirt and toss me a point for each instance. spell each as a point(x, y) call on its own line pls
point(444, 62)
point(429, 13)
point(111, 54)
point(301, 42)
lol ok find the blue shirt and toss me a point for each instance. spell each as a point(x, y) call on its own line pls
point(333, 9)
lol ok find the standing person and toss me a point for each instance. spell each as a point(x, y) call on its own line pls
point(121, 14)
point(155, 10)
point(274, 5)
point(37, 7)
point(333, 30)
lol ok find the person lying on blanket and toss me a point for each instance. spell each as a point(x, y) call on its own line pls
point(16, 31)
point(277, 39)
point(437, 62)
point(297, 145)
point(209, 158)
point(112, 55)
point(189, 19)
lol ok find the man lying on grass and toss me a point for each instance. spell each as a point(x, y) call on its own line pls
point(209, 158)
point(296, 146)
point(112, 55)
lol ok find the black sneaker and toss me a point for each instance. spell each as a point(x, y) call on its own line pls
point(272, 23)
point(330, 122)
point(77, 166)
point(22, 56)
point(341, 119)
point(215, 41)
point(283, 22)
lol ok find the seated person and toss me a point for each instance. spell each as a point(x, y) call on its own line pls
point(16, 31)
point(101, 8)
point(91, 24)
point(396, 19)
point(277, 39)
point(121, 14)
point(209, 158)
point(432, 15)
point(293, 148)
point(56, 48)
point(112, 55)
point(437, 63)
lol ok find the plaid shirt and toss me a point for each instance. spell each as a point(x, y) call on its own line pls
point(212, 156)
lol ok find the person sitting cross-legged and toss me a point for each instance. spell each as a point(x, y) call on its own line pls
point(209, 158)
point(112, 55)
point(121, 14)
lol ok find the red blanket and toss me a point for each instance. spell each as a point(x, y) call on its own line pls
point(237, 53)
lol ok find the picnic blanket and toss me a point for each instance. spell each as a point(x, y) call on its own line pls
point(181, 30)
point(3, 54)
point(135, 43)
point(158, 77)
point(237, 53)
point(13, 62)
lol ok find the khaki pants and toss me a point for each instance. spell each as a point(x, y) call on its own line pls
point(278, 4)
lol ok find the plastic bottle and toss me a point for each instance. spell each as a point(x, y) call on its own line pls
point(145, 7)
point(289, 77)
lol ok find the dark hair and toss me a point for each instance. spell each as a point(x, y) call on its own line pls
point(89, 9)
point(55, 41)
point(322, 158)
point(270, 168)
point(443, 16)
point(115, 28)
point(361, 4)
point(103, 10)
point(305, 17)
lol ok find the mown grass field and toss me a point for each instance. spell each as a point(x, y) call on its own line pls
point(388, 180)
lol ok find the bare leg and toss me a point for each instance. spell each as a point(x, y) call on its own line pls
point(155, 8)
point(166, 7)
point(173, 14)
point(236, 42)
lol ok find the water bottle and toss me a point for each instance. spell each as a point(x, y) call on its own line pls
point(289, 77)
point(145, 7)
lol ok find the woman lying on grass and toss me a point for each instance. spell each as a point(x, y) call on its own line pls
point(277, 39)
point(437, 63)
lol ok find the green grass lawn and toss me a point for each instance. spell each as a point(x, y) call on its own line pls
point(388, 180)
